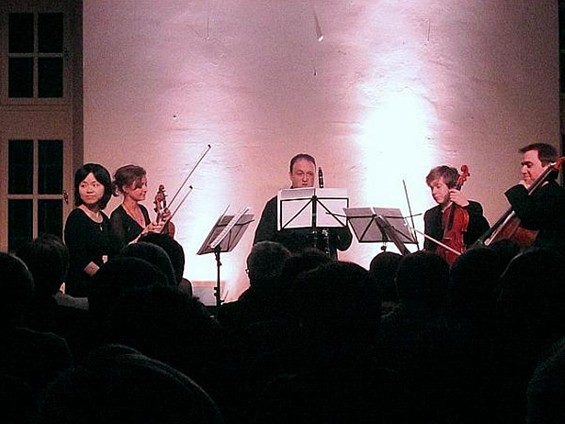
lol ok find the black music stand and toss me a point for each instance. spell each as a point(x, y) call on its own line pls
point(372, 225)
point(223, 237)
point(311, 208)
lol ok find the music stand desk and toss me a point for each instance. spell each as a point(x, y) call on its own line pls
point(223, 237)
point(373, 224)
point(311, 208)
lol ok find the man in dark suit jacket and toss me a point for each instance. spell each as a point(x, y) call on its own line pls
point(538, 200)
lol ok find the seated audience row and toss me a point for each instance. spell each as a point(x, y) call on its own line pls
point(311, 340)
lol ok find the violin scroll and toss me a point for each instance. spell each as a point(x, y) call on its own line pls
point(163, 214)
point(465, 174)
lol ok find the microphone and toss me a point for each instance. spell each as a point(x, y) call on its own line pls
point(320, 177)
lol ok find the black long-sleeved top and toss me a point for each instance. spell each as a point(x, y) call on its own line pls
point(433, 227)
point(124, 227)
point(87, 241)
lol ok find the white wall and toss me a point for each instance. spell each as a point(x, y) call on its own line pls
point(393, 89)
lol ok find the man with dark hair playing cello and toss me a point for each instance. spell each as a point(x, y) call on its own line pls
point(455, 222)
point(538, 200)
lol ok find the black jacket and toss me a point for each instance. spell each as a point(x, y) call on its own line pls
point(296, 240)
point(478, 225)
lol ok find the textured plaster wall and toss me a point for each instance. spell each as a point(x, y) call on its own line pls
point(377, 91)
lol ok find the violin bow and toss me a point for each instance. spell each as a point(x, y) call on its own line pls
point(208, 147)
point(181, 202)
point(411, 215)
point(439, 243)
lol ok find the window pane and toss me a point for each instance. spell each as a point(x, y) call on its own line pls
point(20, 167)
point(50, 217)
point(20, 29)
point(50, 167)
point(20, 80)
point(50, 32)
point(20, 223)
point(50, 77)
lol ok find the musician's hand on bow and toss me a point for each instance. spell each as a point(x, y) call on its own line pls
point(153, 227)
point(165, 215)
point(457, 197)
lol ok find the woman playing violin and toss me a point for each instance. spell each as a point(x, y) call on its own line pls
point(130, 220)
point(442, 181)
point(544, 208)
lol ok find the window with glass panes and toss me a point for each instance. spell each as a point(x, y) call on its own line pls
point(35, 190)
point(36, 54)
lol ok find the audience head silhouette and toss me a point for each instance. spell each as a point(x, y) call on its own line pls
point(546, 391)
point(172, 247)
point(265, 263)
point(17, 287)
point(422, 278)
point(117, 384)
point(472, 281)
point(47, 258)
point(118, 276)
point(338, 301)
point(531, 295)
point(383, 268)
point(153, 254)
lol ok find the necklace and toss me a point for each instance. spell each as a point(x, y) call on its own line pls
point(96, 216)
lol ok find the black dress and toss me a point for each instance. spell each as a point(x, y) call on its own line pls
point(124, 227)
point(88, 241)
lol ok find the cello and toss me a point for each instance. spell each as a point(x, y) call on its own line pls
point(508, 226)
point(455, 221)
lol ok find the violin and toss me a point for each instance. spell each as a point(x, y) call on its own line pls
point(455, 221)
point(160, 203)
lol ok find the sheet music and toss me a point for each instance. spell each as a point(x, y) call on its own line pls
point(228, 227)
point(366, 223)
point(397, 221)
point(295, 207)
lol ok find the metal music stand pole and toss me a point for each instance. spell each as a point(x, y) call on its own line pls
point(223, 237)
